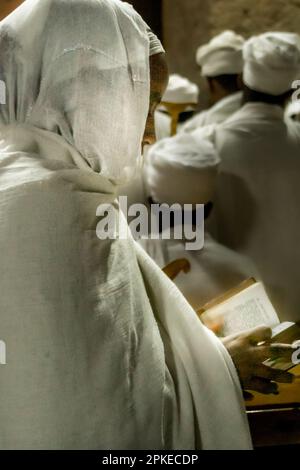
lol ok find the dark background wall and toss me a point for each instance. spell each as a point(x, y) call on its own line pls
point(151, 11)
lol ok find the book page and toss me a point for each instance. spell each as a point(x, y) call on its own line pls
point(247, 309)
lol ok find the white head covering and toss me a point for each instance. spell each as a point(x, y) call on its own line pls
point(94, 330)
point(181, 90)
point(272, 62)
point(180, 174)
point(222, 55)
point(62, 68)
point(293, 110)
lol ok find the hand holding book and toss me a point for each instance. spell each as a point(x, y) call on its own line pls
point(249, 350)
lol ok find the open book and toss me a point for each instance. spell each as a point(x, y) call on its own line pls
point(245, 307)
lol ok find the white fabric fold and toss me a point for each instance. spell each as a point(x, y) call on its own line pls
point(181, 91)
point(223, 55)
point(218, 113)
point(182, 170)
point(57, 70)
point(103, 351)
point(272, 62)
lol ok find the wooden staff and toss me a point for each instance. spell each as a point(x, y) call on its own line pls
point(174, 110)
point(173, 269)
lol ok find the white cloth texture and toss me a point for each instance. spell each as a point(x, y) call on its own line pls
point(163, 123)
point(155, 44)
point(223, 55)
point(292, 110)
point(214, 269)
point(180, 90)
point(103, 351)
point(218, 113)
point(182, 170)
point(272, 62)
point(258, 197)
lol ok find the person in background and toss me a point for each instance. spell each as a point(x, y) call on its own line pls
point(104, 351)
point(179, 101)
point(178, 105)
point(177, 178)
point(221, 62)
point(257, 198)
point(258, 192)
point(292, 111)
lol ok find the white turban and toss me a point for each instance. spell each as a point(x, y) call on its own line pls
point(181, 90)
point(293, 110)
point(272, 62)
point(183, 170)
point(223, 55)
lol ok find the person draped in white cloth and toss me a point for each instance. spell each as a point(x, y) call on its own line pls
point(183, 96)
point(176, 178)
point(258, 193)
point(221, 62)
point(103, 352)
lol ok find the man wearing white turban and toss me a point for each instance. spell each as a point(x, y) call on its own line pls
point(258, 195)
point(221, 62)
point(176, 178)
point(178, 104)
point(103, 352)
point(292, 111)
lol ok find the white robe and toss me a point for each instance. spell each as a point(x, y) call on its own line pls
point(218, 113)
point(214, 269)
point(258, 198)
point(163, 124)
point(103, 352)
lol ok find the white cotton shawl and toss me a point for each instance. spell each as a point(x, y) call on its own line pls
point(103, 352)
point(182, 170)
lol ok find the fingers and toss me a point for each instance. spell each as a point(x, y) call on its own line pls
point(274, 375)
point(273, 351)
point(259, 334)
point(264, 386)
point(253, 336)
point(281, 350)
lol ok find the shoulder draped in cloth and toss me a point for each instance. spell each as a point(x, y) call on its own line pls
point(102, 351)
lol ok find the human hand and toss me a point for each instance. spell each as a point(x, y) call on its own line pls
point(249, 350)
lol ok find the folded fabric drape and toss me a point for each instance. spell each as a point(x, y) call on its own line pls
point(103, 352)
